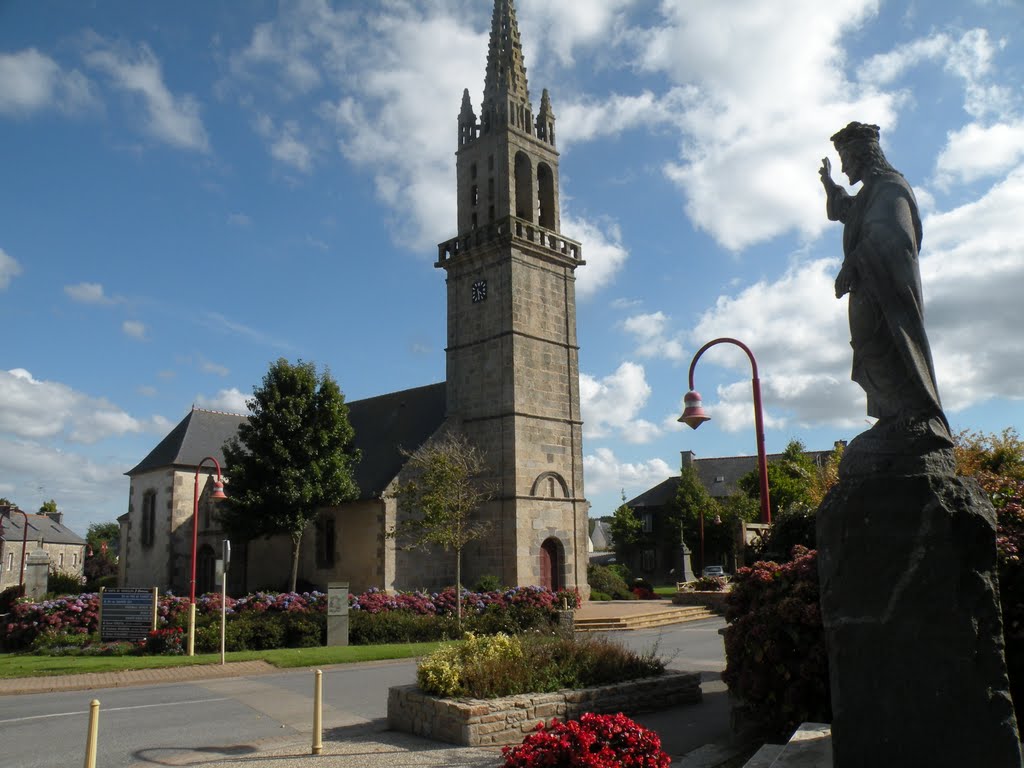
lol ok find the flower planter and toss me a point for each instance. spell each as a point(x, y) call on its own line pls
point(506, 720)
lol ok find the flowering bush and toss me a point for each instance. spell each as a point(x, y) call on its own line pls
point(709, 584)
point(776, 662)
point(593, 741)
point(442, 672)
point(168, 641)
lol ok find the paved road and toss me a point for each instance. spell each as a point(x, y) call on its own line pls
point(233, 719)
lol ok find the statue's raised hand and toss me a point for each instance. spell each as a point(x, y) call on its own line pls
point(826, 174)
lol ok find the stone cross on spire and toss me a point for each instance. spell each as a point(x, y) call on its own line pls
point(506, 96)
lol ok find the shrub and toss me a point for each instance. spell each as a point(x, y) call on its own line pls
point(604, 579)
point(709, 584)
point(486, 667)
point(599, 596)
point(168, 641)
point(776, 663)
point(622, 571)
point(593, 741)
point(59, 584)
point(488, 583)
point(9, 597)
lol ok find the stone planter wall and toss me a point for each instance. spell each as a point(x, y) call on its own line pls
point(714, 601)
point(482, 722)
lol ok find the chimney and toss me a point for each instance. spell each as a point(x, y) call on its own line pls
point(686, 458)
point(57, 517)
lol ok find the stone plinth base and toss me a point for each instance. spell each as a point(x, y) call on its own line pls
point(910, 605)
point(507, 720)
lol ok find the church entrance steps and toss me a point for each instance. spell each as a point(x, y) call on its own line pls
point(617, 616)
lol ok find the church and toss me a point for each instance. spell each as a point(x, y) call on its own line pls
point(512, 388)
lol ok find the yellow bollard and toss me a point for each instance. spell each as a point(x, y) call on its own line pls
point(94, 727)
point(318, 690)
point(192, 629)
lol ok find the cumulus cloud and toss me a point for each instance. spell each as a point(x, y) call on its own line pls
point(605, 473)
point(35, 409)
point(977, 151)
point(602, 250)
point(34, 82)
point(653, 338)
point(610, 405)
point(172, 119)
point(9, 269)
point(227, 400)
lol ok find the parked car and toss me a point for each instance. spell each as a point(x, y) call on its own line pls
point(714, 570)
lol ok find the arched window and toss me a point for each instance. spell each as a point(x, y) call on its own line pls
point(546, 196)
point(524, 187)
point(148, 518)
point(551, 484)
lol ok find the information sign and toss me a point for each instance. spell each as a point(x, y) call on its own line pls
point(126, 614)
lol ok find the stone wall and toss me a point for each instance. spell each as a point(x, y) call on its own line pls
point(713, 601)
point(484, 722)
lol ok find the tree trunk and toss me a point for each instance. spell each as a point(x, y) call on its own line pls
point(458, 590)
point(296, 544)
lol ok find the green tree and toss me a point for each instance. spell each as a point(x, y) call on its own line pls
point(294, 455)
point(48, 507)
point(441, 497)
point(625, 528)
point(789, 479)
point(101, 552)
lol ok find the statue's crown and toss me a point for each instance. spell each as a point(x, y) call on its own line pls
point(854, 133)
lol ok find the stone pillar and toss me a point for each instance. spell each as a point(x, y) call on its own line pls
point(910, 604)
point(37, 573)
point(337, 613)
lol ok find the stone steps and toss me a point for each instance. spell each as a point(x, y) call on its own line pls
point(654, 618)
point(809, 747)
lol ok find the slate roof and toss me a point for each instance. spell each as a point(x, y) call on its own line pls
point(719, 475)
point(38, 525)
point(384, 426)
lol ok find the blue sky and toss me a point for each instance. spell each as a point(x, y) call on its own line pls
point(192, 190)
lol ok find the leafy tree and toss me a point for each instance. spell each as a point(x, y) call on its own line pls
point(625, 528)
point(294, 455)
point(789, 479)
point(824, 478)
point(5, 502)
point(442, 494)
point(691, 502)
point(102, 541)
point(48, 507)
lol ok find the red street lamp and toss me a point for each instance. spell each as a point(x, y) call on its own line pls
point(216, 495)
point(694, 415)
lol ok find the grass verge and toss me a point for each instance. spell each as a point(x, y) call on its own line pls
point(29, 665)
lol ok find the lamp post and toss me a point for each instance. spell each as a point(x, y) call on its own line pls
point(216, 495)
point(694, 415)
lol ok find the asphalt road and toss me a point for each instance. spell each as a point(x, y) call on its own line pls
point(229, 719)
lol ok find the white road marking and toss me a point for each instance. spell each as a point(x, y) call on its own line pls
point(112, 709)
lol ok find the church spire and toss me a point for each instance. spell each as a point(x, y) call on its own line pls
point(506, 95)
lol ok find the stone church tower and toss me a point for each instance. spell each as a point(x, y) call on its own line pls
point(512, 356)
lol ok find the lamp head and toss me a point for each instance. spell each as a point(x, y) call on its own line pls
point(217, 494)
point(693, 412)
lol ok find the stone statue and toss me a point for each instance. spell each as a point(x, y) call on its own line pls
point(906, 548)
point(892, 361)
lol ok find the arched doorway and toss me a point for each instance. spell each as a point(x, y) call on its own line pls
point(551, 563)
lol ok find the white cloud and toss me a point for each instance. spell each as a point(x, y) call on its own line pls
point(610, 405)
point(228, 400)
point(171, 119)
point(134, 328)
point(604, 472)
point(239, 220)
point(976, 151)
point(9, 269)
point(650, 331)
point(602, 250)
point(208, 367)
point(34, 82)
point(561, 28)
point(33, 409)
point(88, 293)
point(285, 145)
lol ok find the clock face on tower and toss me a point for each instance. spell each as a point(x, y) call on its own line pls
point(479, 291)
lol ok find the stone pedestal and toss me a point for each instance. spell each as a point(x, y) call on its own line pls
point(910, 604)
point(37, 573)
point(337, 613)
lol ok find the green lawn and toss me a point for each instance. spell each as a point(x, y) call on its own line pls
point(666, 591)
point(28, 665)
